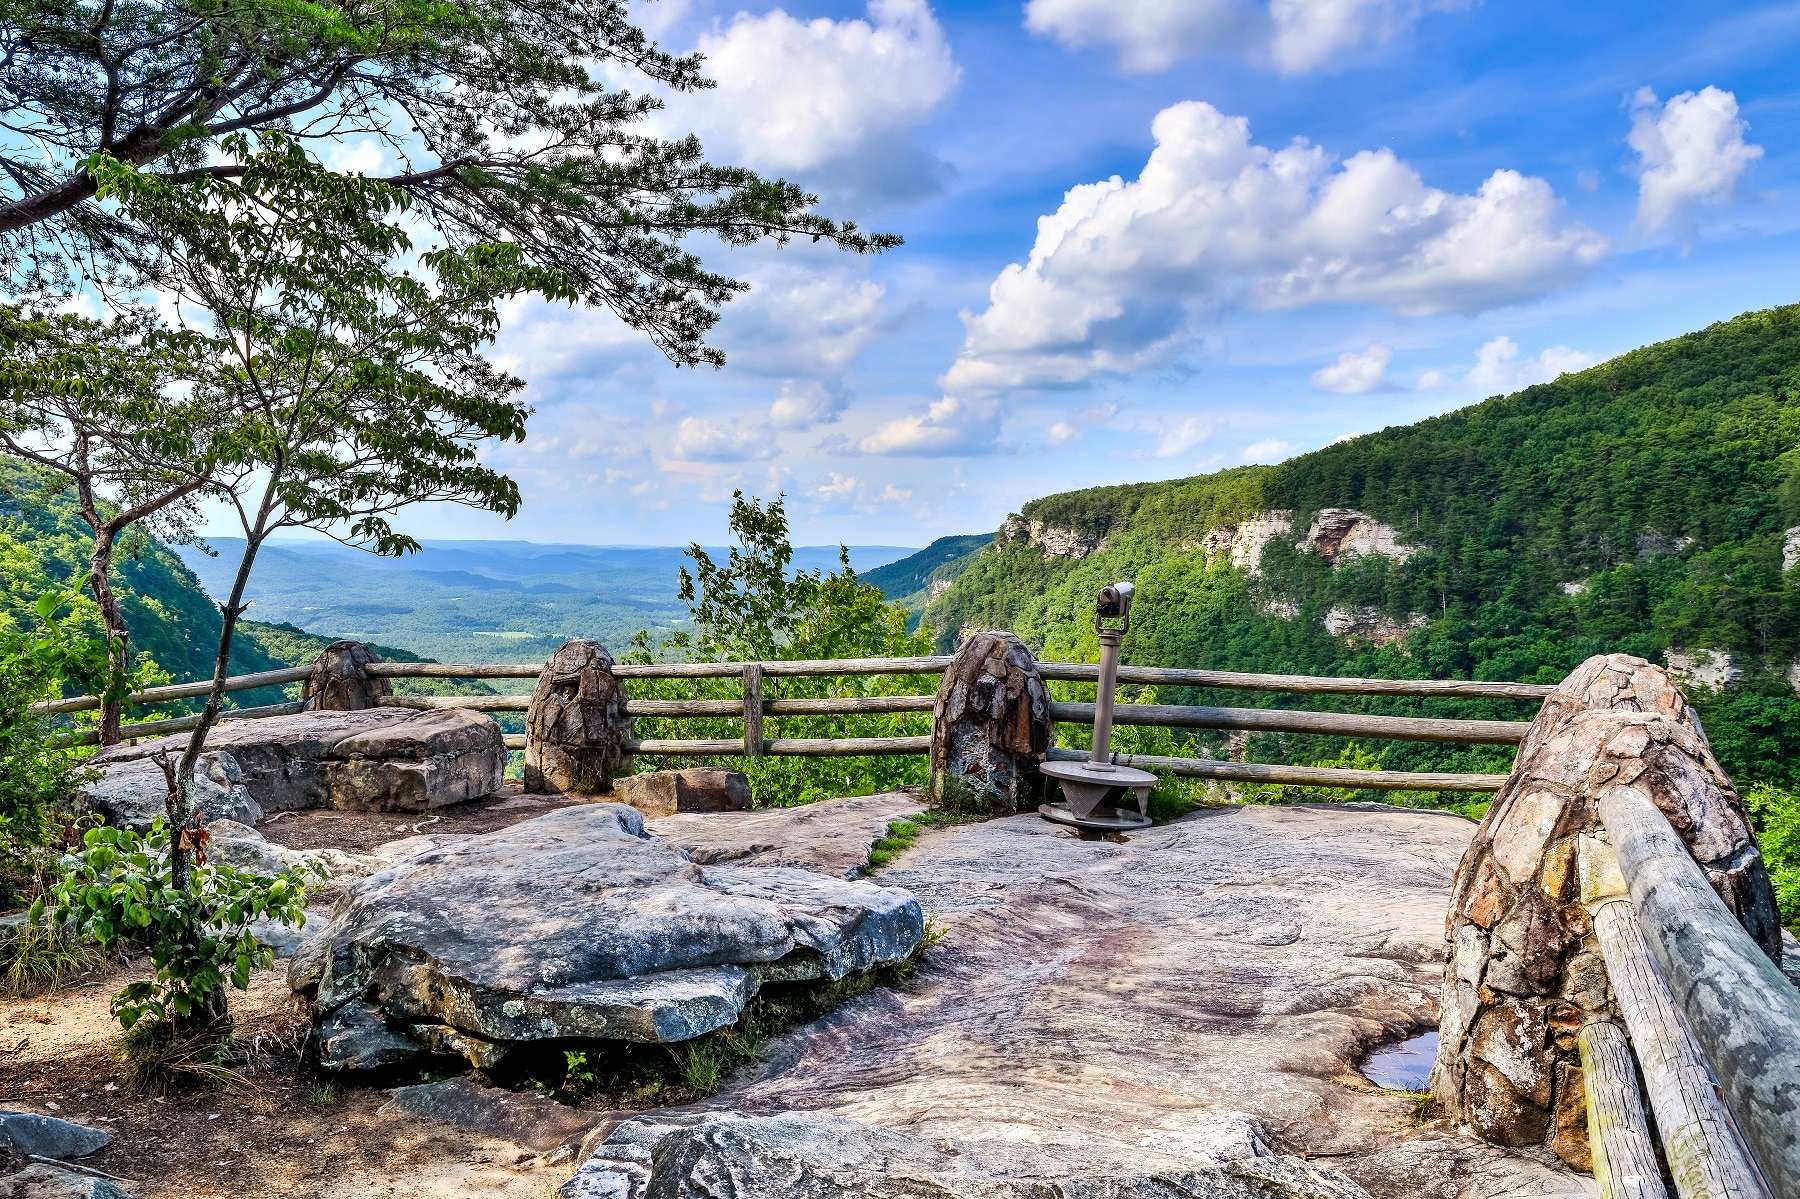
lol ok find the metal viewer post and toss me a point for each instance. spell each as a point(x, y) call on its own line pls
point(1092, 789)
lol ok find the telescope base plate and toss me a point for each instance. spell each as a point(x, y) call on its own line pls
point(1103, 820)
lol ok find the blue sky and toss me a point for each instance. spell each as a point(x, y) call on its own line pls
point(1156, 239)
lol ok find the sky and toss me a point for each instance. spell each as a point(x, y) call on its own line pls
point(1155, 239)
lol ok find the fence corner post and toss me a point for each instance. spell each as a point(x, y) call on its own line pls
point(753, 710)
point(990, 727)
point(576, 729)
point(340, 682)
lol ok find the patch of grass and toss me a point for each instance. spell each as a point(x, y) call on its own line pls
point(160, 1057)
point(323, 1097)
point(701, 1064)
point(900, 834)
point(45, 955)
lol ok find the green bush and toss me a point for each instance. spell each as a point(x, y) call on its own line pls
point(117, 886)
point(1776, 813)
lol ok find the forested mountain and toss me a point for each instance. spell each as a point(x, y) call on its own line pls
point(1642, 505)
point(44, 545)
point(917, 579)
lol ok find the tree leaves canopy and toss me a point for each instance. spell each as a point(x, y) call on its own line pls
point(497, 110)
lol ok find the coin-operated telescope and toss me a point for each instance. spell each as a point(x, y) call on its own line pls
point(1092, 789)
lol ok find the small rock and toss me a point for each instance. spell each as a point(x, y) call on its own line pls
point(47, 1182)
point(701, 789)
point(354, 1037)
point(132, 794)
point(241, 846)
point(26, 1133)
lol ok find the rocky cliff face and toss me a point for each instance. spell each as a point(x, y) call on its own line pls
point(1054, 540)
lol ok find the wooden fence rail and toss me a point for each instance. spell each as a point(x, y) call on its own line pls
point(754, 708)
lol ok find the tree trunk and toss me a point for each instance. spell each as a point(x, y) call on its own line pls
point(112, 617)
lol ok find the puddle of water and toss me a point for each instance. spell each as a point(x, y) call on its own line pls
point(1405, 1066)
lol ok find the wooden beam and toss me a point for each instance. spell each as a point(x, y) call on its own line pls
point(1618, 1134)
point(1743, 1011)
point(477, 703)
point(1282, 720)
point(1228, 680)
point(1297, 776)
point(157, 695)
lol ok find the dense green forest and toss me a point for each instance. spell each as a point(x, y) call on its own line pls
point(909, 581)
point(44, 547)
point(1639, 505)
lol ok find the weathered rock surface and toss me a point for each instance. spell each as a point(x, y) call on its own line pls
point(832, 837)
point(47, 1182)
point(25, 1133)
point(1055, 540)
point(1337, 533)
point(990, 728)
point(576, 924)
point(380, 759)
point(131, 794)
point(1523, 969)
point(1703, 667)
point(576, 728)
point(1246, 540)
point(698, 789)
point(1371, 624)
point(339, 681)
point(804, 1155)
point(541, 1125)
point(1097, 998)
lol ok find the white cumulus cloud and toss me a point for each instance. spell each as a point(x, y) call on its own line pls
point(1269, 451)
point(1499, 368)
point(1691, 151)
point(705, 439)
point(1355, 374)
point(1213, 219)
point(803, 403)
point(948, 427)
point(835, 102)
point(1291, 35)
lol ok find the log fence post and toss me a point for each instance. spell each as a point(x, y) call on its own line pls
point(577, 734)
point(754, 746)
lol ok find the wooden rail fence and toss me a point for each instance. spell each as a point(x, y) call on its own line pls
point(754, 708)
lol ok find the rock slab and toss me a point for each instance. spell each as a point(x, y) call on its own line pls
point(575, 924)
point(133, 793)
point(379, 759)
point(541, 1125)
point(699, 789)
point(807, 1155)
point(26, 1133)
point(832, 836)
point(47, 1182)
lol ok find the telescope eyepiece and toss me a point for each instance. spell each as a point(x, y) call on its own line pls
point(1114, 601)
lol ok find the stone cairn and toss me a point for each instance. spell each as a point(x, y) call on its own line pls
point(576, 730)
point(339, 681)
point(990, 727)
point(1524, 972)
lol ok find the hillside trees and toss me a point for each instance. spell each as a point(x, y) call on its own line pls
point(101, 403)
point(498, 112)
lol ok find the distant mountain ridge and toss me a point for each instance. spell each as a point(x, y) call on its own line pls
point(917, 579)
point(1650, 504)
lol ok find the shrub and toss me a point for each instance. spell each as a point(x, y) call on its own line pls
point(1776, 813)
point(118, 886)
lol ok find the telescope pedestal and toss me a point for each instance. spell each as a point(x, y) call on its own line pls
point(1093, 791)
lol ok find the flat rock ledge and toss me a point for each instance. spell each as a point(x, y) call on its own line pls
point(575, 924)
point(377, 759)
point(832, 836)
point(806, 1155)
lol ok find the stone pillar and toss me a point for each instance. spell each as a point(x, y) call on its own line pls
point(339, 682)
point(990, 727)
point(1524, 972)
point(576, 729)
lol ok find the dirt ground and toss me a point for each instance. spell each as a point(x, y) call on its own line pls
point(283, 1130)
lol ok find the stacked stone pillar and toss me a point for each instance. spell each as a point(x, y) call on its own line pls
point(339, 681)
point(1524, 973)
point(991, 727)
point(576, 731)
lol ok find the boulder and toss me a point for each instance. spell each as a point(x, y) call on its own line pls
point(131, 794)
point(832, 836)
point(579, 924)
point(576, 729)
point(539, 1124)
point(808, 1155)
point(699, 789)
point(990, 727)
point(379, 759)
point(26, 1133)
point(339, 681)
